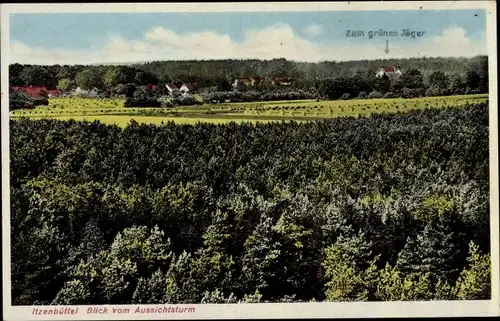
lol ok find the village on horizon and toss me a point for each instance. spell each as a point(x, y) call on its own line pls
point(185, 88)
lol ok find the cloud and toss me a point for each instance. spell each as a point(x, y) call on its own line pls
point(276, 41)
point(24, 54)
point(313, 30)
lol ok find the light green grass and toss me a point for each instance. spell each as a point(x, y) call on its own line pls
point(112, 110)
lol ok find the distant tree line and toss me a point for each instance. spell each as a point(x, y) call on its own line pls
point(65, 78)
point(210, 73)
point(421, 76)
point(388, 207)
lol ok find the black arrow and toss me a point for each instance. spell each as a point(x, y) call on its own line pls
point(387, 46)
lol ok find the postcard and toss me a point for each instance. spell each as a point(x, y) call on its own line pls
point(249, 160)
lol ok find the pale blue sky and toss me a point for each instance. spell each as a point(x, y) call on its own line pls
point(81, 32)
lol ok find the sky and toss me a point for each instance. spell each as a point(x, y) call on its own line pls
point(89, 38)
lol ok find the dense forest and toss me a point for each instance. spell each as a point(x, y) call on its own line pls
point(219, 74)
point(222, 69)
point(387, 207)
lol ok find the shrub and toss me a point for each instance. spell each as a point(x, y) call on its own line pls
point(389, 94)
point(346, 96)
point(185, 101)
point(362, 95)
point(407, 93)
point(22, 101)
point(40, 101)
point(447, 92)
point(166, 104)
point(375, 94)
point(419, 92)
point(433, 91)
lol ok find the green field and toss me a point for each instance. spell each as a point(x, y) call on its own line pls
point(112, 111)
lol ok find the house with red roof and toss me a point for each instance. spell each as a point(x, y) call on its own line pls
point(282, 81)
point(252, 81)
point(389, 71)
point(37, 91)
point(241, 82)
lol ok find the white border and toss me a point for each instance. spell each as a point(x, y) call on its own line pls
point(248, 6)
point(279, 310)
point(491, 39)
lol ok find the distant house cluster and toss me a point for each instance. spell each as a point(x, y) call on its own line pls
point(389, 71)
point(183, 89)
point(256, 80)
point(186, 88)
point(251, 81)
point(37, 91)
point(283, 81)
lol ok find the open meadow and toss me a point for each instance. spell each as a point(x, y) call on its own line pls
point(111, 111)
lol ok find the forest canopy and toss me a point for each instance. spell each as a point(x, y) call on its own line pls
point(387, 207)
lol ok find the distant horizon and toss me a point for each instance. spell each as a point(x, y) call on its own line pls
point(251, 59)
point(131, 38)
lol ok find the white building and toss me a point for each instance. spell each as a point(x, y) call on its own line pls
point(186, 88)
point(171, 88)
point(390, 71)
